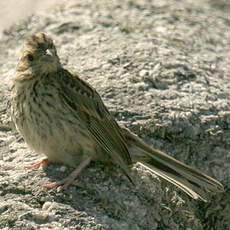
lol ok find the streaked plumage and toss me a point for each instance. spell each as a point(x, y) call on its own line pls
point(62, 116)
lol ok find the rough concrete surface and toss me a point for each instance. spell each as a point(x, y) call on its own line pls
point(163, 69)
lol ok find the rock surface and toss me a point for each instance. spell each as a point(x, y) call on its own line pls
point(163, 69)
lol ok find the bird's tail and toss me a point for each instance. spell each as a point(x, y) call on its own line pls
point(195, 183)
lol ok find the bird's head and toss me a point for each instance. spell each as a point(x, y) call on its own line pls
point(39, 55)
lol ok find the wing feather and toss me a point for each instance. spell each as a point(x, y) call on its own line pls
point(87, 105)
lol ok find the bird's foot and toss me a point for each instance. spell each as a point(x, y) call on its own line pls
point(70, 179)
point(37, 164)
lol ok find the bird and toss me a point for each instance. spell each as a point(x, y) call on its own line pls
point(61, 116)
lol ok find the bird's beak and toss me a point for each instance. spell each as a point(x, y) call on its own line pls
point(49, 55)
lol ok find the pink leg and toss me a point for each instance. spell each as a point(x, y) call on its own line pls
point(70, 179)
point(36, 165)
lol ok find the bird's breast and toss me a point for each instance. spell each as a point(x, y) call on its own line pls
point(49, 127)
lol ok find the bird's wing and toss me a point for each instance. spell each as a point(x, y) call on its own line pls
point(86, 103)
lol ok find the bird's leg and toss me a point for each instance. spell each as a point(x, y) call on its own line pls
point(70, 179)
point(37, 164)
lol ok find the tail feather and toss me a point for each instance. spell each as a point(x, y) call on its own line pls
point(195, 183)
point(185, 185)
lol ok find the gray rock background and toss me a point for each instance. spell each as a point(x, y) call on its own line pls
point(163, 69)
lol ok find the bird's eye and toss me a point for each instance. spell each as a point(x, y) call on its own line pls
point(30, 57)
